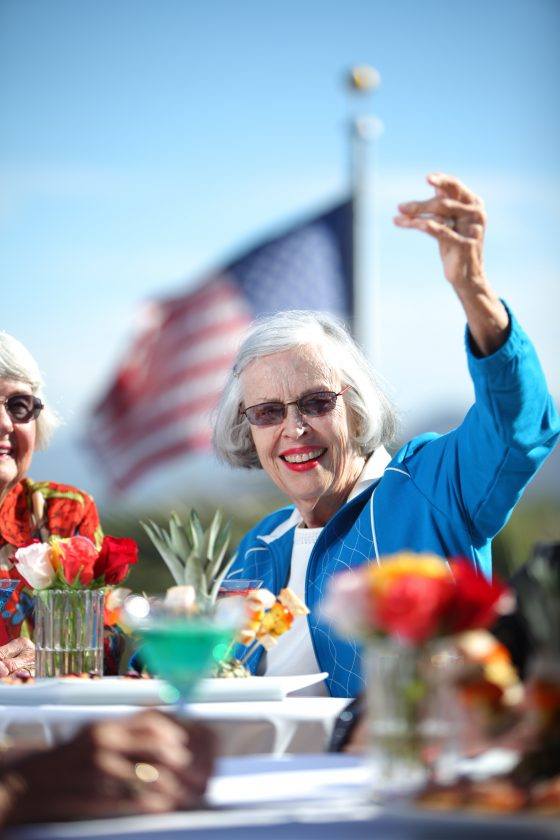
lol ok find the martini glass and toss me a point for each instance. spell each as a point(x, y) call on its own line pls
point(181, 648)
point(235, 587)
point(7, 586)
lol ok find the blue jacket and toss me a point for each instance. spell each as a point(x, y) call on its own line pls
point(448, 494)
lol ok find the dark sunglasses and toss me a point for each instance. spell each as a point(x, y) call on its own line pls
point(312, 405)
point(22, 408)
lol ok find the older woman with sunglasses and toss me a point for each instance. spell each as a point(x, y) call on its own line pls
point(28, 509)
point(303, 404)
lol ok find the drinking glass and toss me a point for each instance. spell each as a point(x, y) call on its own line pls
point(236, 587)
point(69, 632)
point(179, 647)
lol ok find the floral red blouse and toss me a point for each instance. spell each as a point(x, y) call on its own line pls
point(36, 509)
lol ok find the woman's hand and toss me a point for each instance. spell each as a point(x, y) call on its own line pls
point(147, 763)
point(455, 216)
point(17, 657)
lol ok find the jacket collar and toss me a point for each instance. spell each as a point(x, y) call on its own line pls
point(372, 472)
point(373, 469)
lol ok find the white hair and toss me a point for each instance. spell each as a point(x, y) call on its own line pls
point(17, 363)
point(372, 412)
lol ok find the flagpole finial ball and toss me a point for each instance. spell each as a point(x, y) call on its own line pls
point(364, 78)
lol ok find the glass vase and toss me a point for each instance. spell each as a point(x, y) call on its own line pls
point(411, 713)
point(69, 632)
point(395, 690)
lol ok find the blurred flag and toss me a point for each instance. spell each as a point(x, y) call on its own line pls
point(159, 405)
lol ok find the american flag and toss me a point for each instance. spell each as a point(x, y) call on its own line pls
point(159, 405)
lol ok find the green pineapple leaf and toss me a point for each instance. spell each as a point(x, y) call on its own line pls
point(193, 574)
point(197, 531)
point(214, 532)
point(195, 557)
point(158, 538)
point(220, 576)
point(179, 537)
point(220, 547)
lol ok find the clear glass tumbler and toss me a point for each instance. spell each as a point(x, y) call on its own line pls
point(69, 632)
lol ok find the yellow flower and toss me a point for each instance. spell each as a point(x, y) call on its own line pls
point(402, 564)
point(276, 621)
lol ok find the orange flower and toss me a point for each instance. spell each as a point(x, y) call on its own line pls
point(412, 605)
point(413, 597)
point(114, 601)
point(269, 617)
point(276, 621)
point(403, 564)
point(74, 559)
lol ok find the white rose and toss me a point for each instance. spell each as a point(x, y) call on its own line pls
point(34, 565)
point(115, 598)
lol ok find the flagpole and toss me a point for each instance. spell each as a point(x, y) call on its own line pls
point(365, 130)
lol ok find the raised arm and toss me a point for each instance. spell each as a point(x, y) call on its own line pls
point(483, 465)
point(455, 217)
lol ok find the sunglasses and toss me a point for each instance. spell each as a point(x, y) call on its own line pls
point(21, 408)
point(312, 405)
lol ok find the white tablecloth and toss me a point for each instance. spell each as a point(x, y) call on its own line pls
point(297, 798)
point(298, 724)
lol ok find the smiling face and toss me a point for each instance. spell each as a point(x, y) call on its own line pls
point(17, 440)
point(310, 459)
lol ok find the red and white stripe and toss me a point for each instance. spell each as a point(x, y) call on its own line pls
point(159, 406)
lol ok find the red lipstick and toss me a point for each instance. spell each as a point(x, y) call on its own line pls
point(302, 466)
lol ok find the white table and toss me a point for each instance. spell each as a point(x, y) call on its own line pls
point(295, 725)
point(295, 797)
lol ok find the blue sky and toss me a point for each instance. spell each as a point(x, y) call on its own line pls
point(143, 143)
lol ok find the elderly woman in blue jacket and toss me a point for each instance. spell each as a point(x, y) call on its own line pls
point(303, 404)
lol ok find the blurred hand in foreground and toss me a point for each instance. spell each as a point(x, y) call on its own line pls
point(144, 764)
point(17, 657)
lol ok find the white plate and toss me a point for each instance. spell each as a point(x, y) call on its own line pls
point(253, 688)
point(117, 691)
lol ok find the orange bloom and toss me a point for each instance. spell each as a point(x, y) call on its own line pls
point(74, 559)
point(405, 563)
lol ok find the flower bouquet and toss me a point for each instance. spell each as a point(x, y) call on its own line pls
point(405, 609)
point(69, 578)
point(267, 617)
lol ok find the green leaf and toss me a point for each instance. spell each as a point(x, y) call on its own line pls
point(214, 533)
point(222, 544)
point(192, 571)
point(219, 578)
point(173, 563)
point(179, 537)
point(194, 556)
point(197, 530)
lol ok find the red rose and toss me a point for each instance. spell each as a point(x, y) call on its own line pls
point(476, 602)
point(115, 558)
point(412, 607)
point(74, 559)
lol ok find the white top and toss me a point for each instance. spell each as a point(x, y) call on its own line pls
point(294, 652)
